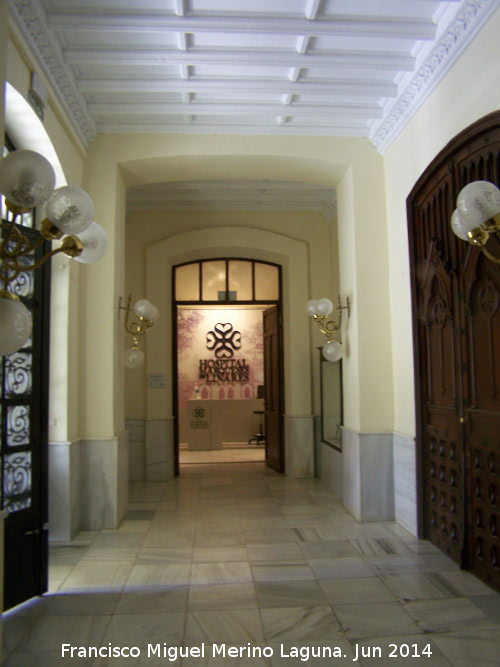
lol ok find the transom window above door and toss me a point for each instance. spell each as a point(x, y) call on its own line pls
point(227, 280)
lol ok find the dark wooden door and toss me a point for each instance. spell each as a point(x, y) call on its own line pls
point(273, 389)
point(457, 359)
point(24, 444)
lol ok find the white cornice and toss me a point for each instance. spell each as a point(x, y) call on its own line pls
point(313, 115)
point(472, 15)
point(33, 27)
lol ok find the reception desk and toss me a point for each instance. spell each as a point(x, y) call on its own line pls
point(213, 424)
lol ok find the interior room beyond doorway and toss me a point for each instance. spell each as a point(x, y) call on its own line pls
point(220, 358)
point(220, 400)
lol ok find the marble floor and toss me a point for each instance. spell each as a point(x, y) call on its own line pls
point(235, 555)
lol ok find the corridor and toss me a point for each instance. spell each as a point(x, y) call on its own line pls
point(236, 554)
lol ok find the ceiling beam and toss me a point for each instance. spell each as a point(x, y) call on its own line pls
point(328, 90)
point(312, 8)
point(232, 108)
point(364, 26)
point(371, 59)
point(179, 8)
point(237, 125)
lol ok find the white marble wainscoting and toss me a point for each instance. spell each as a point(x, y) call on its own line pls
point(299, 446)
point(136, 449)
point(159, 449)
point(331, 469)
point(405, 481)
point(64, 490)
point(368, 475)
point(104, 482)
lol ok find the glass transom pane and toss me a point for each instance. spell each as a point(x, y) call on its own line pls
point(240, 280)
point(266, 282)
point(187, 282)
point(213, 281)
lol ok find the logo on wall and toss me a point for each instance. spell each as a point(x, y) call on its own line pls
point(224, 340)
point(198, 421)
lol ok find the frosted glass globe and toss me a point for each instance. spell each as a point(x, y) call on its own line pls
point(312, 307)
point(70, 209)
point(333, 350)
point(325, 307)
point(26, 178)
point(479, 201)
point(461, 226)
point(15, 325)
point(144, 308)
point(95, 243)
point(134, 358)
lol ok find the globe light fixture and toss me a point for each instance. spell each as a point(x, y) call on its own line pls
point(320, 311)
point(134, 357)
point(15, 323)
point(477, 215)
point(147, 315)
point(27, 180)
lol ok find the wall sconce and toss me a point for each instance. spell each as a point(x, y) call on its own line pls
point(320, 311)
point(27, 180)
point(148, 315)
point(477, 215)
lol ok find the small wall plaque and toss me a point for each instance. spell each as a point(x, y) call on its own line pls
point(156, 381)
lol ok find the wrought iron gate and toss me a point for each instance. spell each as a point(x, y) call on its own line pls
point(24, 443)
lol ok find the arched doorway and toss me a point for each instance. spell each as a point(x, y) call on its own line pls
point(225, 372)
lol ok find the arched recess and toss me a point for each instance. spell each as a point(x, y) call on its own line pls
point(249, 243)
point(455, 296)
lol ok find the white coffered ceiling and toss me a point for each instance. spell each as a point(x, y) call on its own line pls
point(281, 67)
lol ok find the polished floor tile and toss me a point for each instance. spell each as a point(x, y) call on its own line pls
point(235, 555)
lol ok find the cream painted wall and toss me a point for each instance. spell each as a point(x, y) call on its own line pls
point(147, 229)
point(321, 278)
point(468, 92)
point(143, 159)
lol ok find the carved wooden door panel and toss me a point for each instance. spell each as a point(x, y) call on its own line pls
point(456, 314)
point(482, 416)
point(442, 474)
point(479, 159)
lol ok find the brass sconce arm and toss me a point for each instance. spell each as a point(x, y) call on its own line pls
point(326, 326)
point(320, 311)
point(27, 180)
point(147, 315)
point(16, 247)
point(477, 215)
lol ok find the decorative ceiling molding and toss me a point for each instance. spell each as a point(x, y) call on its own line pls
point(317, 68)
point(472, 15)
point(31, 21)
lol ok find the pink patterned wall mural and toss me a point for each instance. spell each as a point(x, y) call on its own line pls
point(225, 347)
